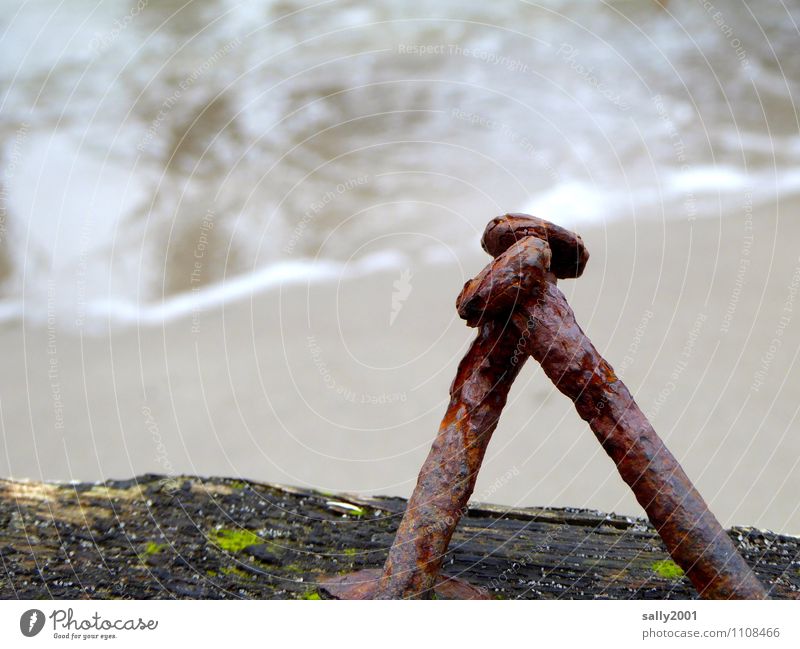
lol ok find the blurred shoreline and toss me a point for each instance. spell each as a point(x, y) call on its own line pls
point(279, 140)
point(319, 384)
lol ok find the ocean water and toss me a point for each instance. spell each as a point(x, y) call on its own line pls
point(160, 156)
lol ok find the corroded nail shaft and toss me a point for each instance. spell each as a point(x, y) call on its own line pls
point(447, 478)
point(692, 534)
point(477, 396)
point(519, 311)
point(695, 539)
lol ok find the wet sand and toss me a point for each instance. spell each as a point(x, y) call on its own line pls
point(315, 385)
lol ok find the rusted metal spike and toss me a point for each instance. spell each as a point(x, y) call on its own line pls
point(519, 287)
point(695, 539)
point(447, 479)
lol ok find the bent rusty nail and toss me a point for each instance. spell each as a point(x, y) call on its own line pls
point(693, 536)
point(695, 539)
point(447, 478)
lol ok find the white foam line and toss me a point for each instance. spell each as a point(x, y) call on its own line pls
point(729, 180)
point(230, 290)
point(583, 203)
point(215, 295)
point(708, 179)
point(579, 202)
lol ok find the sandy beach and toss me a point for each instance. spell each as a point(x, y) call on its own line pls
point(331, 385)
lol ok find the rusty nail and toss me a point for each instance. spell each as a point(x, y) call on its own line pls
point(519, 287)
point(695, 539)
point(447, 478)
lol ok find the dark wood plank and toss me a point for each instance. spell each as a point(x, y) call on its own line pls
point(188, 537)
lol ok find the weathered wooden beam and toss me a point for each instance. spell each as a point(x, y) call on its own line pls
point(189, 537)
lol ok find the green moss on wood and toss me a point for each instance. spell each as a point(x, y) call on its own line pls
point(310, 594)
point(153, 548)
point(234, 540)
point(667, 569)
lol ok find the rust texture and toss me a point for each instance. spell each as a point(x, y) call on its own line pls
point(695, 539)
point(448, 475)
point(519, 311)
point(569, 252)
point(447, 478)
